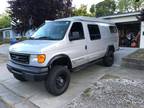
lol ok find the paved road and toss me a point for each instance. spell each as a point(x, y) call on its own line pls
point(4, 49)
point(34, 95)
point(122, 53)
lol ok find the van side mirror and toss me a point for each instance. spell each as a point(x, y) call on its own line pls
point(74, 36)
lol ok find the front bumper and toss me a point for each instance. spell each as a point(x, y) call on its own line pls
point(28, 72)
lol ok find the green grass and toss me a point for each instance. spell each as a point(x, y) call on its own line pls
point(6, 41)
point(87, 92)
point(23, 38)
point(1, 42)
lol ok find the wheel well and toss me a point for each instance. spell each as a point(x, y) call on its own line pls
point(111, 48)
point(61, 60)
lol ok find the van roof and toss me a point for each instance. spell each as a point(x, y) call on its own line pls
point(84, 18)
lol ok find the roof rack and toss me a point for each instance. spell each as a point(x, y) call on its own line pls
point(88, 19)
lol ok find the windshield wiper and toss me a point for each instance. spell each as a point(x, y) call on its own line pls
point(44, 38)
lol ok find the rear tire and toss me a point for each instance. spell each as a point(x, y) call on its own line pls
point(108, 60)
point(20, 78)
point(58, 80)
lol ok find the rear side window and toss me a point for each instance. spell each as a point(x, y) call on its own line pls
point(76, 32)
point(113, 29)
point(94, 32)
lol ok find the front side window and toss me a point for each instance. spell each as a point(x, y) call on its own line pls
point(76, 32)
point(94, 32)
point(54, 30)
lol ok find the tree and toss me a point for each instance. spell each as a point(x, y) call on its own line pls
point(93, 10)
point(82, 11)
point(107, 7)
point(137, 5)
point(125, 6)
point(5, 21)
point(30, 14)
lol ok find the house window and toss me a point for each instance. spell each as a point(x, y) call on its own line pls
point(7, 34)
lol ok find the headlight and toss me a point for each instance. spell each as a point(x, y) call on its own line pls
point(40, 58)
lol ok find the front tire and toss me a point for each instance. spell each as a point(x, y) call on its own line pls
point(108, 60)
point(58, 80)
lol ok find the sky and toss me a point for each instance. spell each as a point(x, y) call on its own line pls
point(76, 3)
point(3, 5)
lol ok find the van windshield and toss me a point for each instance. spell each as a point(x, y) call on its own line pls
point(54, 30)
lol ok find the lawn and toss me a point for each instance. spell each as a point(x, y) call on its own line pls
point(4, 41)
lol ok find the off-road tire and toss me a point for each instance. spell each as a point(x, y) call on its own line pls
point(108, 59)
point(57, 80)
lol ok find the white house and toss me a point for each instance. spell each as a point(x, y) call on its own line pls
point(7, 33)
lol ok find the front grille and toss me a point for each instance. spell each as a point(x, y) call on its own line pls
point(20, 58)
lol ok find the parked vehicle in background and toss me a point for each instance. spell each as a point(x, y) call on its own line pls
point(61, 46)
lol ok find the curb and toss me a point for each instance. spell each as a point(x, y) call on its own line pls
point(9, 99)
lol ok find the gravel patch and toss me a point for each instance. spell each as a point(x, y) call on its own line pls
point(111, 93)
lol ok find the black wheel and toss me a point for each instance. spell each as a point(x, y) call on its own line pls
point(58, 80)
point(19, 77)
point(108, 60)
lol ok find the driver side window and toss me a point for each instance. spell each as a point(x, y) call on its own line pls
point(76, 32)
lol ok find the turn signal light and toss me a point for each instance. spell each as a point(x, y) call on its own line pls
point(41, 58)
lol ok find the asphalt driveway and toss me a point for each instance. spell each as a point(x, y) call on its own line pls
point(4, 49)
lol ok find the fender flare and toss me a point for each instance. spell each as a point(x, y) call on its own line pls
point(58, 57)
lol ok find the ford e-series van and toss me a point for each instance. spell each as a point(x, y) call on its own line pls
point(59, 47)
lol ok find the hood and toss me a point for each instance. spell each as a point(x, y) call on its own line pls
point(31, 46)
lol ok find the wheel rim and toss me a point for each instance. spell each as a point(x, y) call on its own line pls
point(60, 81)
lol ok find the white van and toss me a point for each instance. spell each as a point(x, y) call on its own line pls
point(59, 47)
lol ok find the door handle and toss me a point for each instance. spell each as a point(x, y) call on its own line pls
point(85, 47)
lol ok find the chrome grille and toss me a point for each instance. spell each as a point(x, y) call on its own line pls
point(20, 58)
